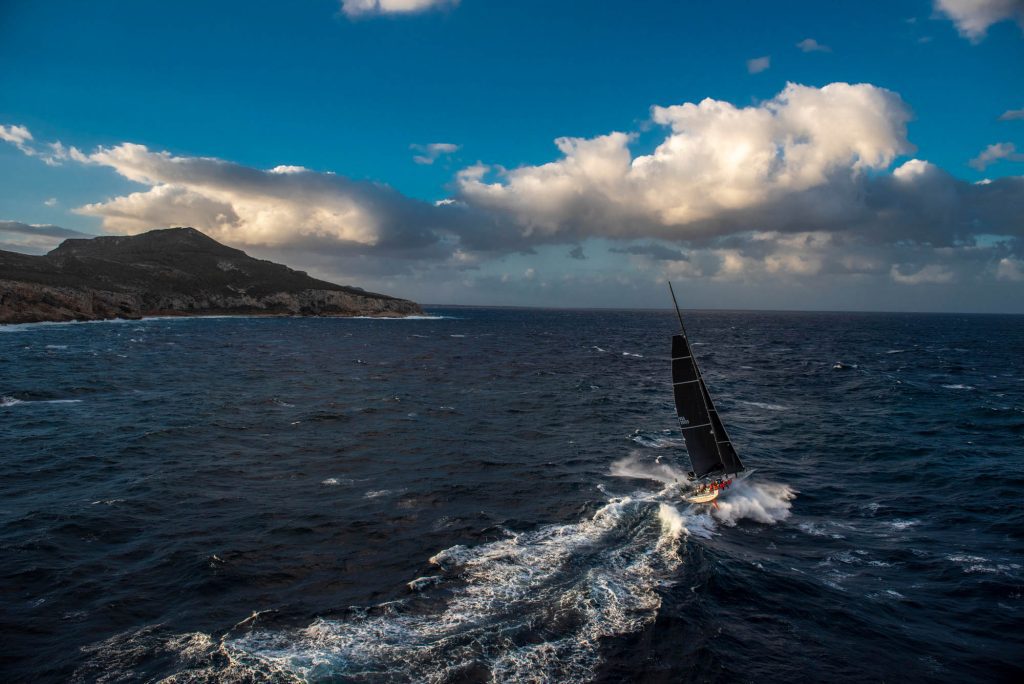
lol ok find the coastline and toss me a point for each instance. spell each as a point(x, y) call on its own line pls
point(191, 316)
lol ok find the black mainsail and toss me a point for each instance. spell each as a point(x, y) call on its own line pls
point(707, 442)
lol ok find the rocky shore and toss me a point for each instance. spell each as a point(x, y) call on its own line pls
point(172, 272)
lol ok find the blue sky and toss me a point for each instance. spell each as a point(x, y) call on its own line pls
point(334, 90)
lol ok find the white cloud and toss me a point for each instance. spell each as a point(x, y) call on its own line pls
point(52, 154)
point(16, 135)
point(429, 153)
point(1012, 115)
point(715, 160)
point(811, 45)
point(52, 202)
point(1010, 269)
point(356, 8)
point(973, 18)
point(993, 153)
point(759, 64)
point(286, 206)
point(288, 168)
point(930, 274)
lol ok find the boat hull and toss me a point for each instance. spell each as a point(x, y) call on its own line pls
point(706, 497)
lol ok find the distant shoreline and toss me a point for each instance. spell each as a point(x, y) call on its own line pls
point(178, 317)
point(719, 310)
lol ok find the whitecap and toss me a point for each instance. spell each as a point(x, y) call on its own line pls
point(903, 524)
point(11, 401)
point(764, 405)
point(958, 387)
point(964, 558)
point(376, 494)
point(813, 529)
point(632, 355)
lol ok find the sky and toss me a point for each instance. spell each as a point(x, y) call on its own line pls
point(786, 155)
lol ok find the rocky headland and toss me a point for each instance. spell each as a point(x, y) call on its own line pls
point(172, 272)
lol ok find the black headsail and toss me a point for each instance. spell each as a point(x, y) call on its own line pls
point(707, 442)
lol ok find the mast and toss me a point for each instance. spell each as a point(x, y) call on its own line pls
point(676, 304)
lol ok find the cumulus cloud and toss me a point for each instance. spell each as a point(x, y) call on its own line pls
point(1012, 115)
point(369, 226)
point(285, 207)
point(973, 18)
point(357, 8)
point(808, 159)
point(811, 45)
point(993, 153)
point(807, 146)
point(428, 154)
point(759, 64)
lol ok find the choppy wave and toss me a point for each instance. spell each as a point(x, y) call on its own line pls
point(6, 401)
point(766, 406)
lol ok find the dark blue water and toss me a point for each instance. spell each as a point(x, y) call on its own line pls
point(451, 500)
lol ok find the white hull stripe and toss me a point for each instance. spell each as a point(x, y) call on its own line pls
point(686, 382)
point(691, 427)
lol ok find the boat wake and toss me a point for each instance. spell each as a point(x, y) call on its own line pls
point(531, 607)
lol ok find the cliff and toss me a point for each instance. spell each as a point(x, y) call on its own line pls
point(178, 271)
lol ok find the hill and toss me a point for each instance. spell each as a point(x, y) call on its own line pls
point(177, 271)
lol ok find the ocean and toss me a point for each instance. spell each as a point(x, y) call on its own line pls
point(486, 495)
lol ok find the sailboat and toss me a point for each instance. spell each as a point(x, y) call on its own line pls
point(713, 457)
